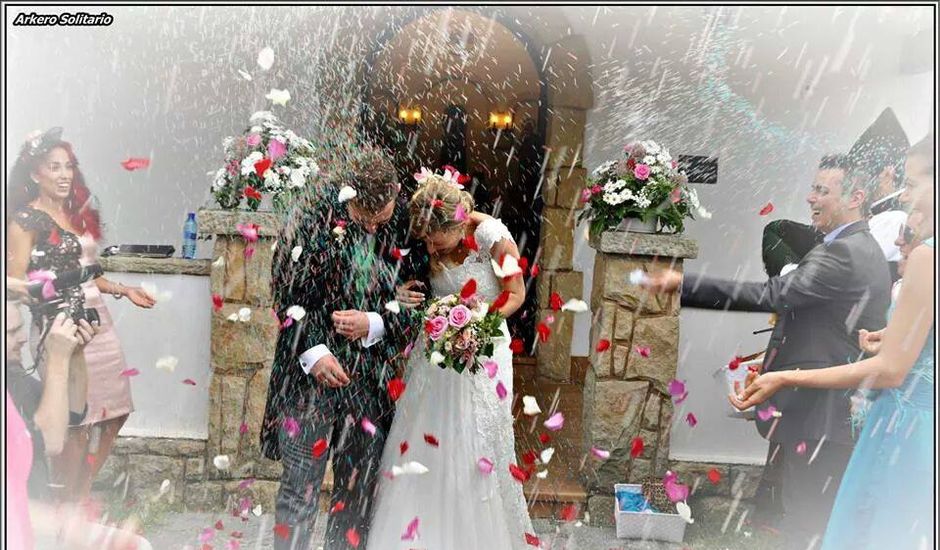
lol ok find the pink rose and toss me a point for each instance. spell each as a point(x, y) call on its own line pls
point(641, 171)
point(459, 316)
point(437, 326)
point(276, 149)
point(596, 189)
point(586, 195)
point(253, 140)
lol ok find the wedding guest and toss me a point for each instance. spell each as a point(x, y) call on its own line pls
point(839, 286)
point(886, 497)
point(55, 228)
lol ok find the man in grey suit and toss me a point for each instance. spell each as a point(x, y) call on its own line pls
point(840, 286)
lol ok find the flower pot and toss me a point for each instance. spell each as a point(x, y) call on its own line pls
point(636, 225)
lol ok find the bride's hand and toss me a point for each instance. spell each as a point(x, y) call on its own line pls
point(408, 298)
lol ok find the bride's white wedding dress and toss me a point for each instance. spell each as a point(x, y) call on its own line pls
point(457, 506)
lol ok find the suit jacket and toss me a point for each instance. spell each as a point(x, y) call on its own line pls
point(332, 275)
point(838, 288)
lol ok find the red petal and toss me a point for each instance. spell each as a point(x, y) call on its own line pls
point(338, 507)
point(54, 238)
point(396, 386)
point(463, 179)
point(431, 440)
point(545, 439)
point(603, 346)
point(219, 525)
point(523, 263)
point(396, 253)
point(352, 537)
point(735, 363)
point(516, 345)
point(532, 540)
point(282, 530)
point(767, 209)
point(544, 332)
point(555, 301)
point(189, 382)
point(500, 301)
point(470, 243)
point(535, 270)
point(403, 448)
point(468, 290)
point(319, 448)
point(529, 457)
point(135, 163)
point(636, 447)
point(568, 513)
point(216, 302)
point(518, 473)
point(262, 166)
point(714, 476)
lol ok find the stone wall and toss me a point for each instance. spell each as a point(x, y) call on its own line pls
point(625, 392)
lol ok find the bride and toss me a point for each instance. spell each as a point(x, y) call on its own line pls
point(454, 425)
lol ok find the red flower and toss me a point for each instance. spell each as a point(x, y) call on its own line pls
point(636, 447)
point(603, 345)
point(767, 209)
point(251, 193)
point(319, 448)
point(431, 440)
point(500, 301)
point(521, 475)
point(262, 166)
point(631, 164)
point(544, 332)
point(555, 301)
point(468, 290)
point(396, 386)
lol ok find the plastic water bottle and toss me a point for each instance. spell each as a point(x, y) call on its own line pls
point(189, 236)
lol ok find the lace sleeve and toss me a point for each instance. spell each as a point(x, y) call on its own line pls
point(490, 232)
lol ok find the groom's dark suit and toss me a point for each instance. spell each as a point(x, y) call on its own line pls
point(356, 271)
point(841, 285)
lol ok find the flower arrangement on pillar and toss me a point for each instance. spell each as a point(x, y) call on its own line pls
point(644, 192)
point(266, 161)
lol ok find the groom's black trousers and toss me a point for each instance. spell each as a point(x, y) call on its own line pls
point(336, 417)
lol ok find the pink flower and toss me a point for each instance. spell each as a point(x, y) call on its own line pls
point(586, 195)
point(642, 171)
point(676, 195)
point(438, 326)
point(276, 149)
point(253, 140)
point(459, 316)
point(597, 189)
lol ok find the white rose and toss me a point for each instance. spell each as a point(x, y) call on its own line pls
point(297, 179)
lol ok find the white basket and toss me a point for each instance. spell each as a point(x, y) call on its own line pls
point(646, 525)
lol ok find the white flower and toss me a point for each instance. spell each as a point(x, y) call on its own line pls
point(423, 175)
point(436, 358)
point(297, 179)
point(704, 214)
point(248, 163)
point(266, 58)
point(614, 186)
point(346, 193)
point(603, 168)
point(272, 180)
point(278, 97)
point(267, 116)
point(649, 160)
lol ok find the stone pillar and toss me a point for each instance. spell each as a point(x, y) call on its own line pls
point(242, 353)
point(625, 393)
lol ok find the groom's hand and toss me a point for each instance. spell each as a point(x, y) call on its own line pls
point(327, 371)
point(351, 323)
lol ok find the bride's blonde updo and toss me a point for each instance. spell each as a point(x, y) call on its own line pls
point(433, 207)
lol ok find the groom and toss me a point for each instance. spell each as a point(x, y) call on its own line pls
point(328, 397)
point(840, 286)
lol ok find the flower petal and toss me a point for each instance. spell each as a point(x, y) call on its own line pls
point(555, 422)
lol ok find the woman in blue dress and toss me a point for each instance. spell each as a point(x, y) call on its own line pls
point(886, 496)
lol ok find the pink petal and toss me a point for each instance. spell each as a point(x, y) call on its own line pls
point(244, 484)
point(460, 214)
point(766, 414)
point(555, 422)
point(207, 534)
point(643, 351)
point(491, 368)
point(189, 382)
point(690, 418)
point(485, 465)
point(243, 429)
point(287, 322)
point(407, 353)
point(677, 391)
point(411, 532)
point(500, 391)
point(600, 453)
point(130, 372)
point(368, 426)
point(676, 491)
point(801, 448)
point(249, 252)
point(292, 427)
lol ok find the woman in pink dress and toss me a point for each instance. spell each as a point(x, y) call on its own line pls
point(55, 228)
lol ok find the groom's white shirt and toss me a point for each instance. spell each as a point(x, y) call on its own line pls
point(310, 357)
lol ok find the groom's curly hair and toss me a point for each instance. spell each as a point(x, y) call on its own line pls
point(368, 169)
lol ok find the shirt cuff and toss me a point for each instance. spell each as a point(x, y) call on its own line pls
point(376, 329)
point(310, 357)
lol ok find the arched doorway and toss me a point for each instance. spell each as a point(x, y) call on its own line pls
point(459, 68)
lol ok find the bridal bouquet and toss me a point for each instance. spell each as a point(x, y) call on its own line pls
point(645, 184)
point(459, 331)
point(267, 159)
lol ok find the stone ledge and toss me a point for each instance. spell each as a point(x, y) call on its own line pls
point(159, 446)
point(167, 266)
point(643, 244)
point(224, 222)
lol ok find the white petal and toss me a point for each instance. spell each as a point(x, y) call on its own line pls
point(233, 317)
point(530, 406)
point(278, 97)
point(410, 468)
point(509, 268)
point(436, 358)
point(266, 58)
point(244, 314)
point(221, 462)
point(684, 511)
point(638, 277)
point(220, 262)
point(346, 193)
point(296, 312)
point(547, 455)
point(295, 253)
point(257, 511)
point(244, 74)
point(575, 305)
point(164, 487)
point(393, 306)
point(167, 363)
point(542, 475)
